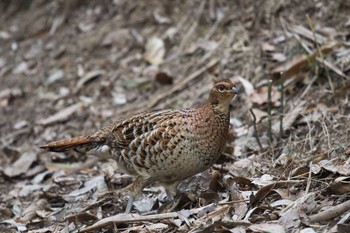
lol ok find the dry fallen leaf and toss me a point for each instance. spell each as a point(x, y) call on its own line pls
point(62, 115)
point(259, 97)
point(266, 47)
point(267, 227)
point(21, 165)
point(298, 63)
point(88, 77)
point(30, 213)
point(164, 79)
point(155, 51)
point(341, 185)
point(248, 86)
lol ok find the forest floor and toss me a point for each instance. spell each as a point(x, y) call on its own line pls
point(68, 67)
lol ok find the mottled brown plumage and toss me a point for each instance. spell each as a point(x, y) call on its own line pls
point(164, 146)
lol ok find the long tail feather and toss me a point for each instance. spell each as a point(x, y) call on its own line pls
point(81, 144)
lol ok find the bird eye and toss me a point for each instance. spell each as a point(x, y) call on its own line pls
point(221, 88)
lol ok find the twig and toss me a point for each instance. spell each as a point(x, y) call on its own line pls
point(269, 102)
point(213, 28)
point(193, 26)
point(308, 184)
point(330, 213)
point(282, 108)
point(129, 218)
point(320, 52)
point(255, 129)
point(325, 129)
point(308, 87)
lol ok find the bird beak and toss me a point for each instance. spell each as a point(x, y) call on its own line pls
point(235, 90)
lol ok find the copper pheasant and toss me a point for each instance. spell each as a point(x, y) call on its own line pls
point(165, 146)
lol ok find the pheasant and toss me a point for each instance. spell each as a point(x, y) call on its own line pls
point(163, 146)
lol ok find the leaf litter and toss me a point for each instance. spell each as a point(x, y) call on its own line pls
point(116, 58)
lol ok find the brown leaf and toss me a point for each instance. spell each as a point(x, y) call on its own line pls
point(341, 185)
point(265, 190)
point(81, 217)
point(164, 79)
point(297, 63)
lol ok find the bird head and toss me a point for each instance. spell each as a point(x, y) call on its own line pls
point(221, 95)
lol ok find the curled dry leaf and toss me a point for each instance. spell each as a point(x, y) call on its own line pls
point(30, 213)
point(247, 85)
point(265, 179)
point(155, 51)
point(55, 76)
point(160, 18)
point(97, 183)
point(144, 205)
point(6, 95)
point(21, 165)
point(239, 205)
point(341, 185)
point(266, 190)
point(278, 57)
point(88, 77)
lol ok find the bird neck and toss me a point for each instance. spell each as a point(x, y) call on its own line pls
point(220, 110)
point(222, 107)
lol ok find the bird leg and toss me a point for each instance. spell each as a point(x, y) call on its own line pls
point(135, 189)
point(172, 200)
point(171, 189)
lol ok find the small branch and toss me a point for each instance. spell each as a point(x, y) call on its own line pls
point(194, 25)
point(127, 218)
point(269, 103)
point(131, 218)
point(282, 109)
point(255, 129)
point(320, 52)
point(330, 213)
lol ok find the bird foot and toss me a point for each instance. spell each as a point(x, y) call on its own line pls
point(129, 205)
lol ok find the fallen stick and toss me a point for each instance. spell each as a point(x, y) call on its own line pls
point(129, 218)
point(330, 213)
